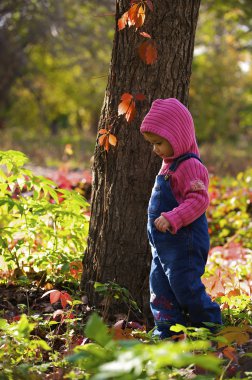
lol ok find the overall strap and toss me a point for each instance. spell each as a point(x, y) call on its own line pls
point(178, 161)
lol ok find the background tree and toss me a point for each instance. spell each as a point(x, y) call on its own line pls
point(117, 248)
point(55, 60)
point(220, 98)
point(54, 54)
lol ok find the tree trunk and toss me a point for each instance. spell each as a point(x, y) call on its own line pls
point(118, 249)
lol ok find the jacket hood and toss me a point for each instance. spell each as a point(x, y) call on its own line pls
point(170, 119)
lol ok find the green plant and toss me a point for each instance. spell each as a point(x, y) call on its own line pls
point(19, 350)
point(43, 228)
point(106, 358)
point(229, 214)
point(111, 290)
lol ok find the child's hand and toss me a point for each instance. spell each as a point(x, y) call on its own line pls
point(162, 224)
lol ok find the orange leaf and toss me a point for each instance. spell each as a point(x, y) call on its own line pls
point(48, 286)
point(112, 140)
point(76, 268)
point(140, 17)
point(106, 145)
point(102, 131)
point(230, 353)
point(132, 14)
point(126, 98)
point(54, 296)
point(127, 107)
point(144, 34)
point(136, 15)
point(64, 297)
point(121, 334)
point(131, 113)
point(102, 139)
point(148, 52)
point(233, 293)
point(122, 22)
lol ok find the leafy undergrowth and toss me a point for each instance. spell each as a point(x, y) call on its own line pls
point(47, 329)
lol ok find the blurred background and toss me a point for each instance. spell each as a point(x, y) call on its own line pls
point(55, 57)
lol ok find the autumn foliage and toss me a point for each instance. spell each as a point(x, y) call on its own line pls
point(147, 50)
point(106, 138)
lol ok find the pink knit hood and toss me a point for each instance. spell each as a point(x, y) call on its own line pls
point(171, 120)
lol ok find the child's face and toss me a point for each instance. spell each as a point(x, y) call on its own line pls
point(161, 146)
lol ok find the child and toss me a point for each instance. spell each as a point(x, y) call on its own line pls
point(177, 225)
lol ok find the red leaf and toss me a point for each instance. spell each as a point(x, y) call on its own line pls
point(148, 52)
point(122, 22)
point(140, 97)
point(54, 296)
point(214, 285)
point(234, 251)
point(150, 5)
point(132, 2)
point(144, 34)
point(16, 318)
point(64, 297)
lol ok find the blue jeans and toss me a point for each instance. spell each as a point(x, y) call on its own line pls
point(177, 293)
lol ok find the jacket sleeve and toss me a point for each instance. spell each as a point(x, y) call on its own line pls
point(192, 181)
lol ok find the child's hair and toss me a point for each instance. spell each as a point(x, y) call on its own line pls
point(170, 119)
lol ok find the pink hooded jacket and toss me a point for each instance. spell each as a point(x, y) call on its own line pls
point(171, 120)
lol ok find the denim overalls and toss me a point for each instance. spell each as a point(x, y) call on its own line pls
point(178, 262)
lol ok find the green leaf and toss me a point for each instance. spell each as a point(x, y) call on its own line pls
point(97, 330)
point(208, 362)
point(24, 327)
point(3, 324)
point(43, 344)
point(178, 328)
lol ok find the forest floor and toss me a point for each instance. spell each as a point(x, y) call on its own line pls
point(49, 321)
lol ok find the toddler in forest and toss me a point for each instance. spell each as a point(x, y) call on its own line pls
point(177, 224)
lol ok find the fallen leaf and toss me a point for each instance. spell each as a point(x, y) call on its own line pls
point(230, 353)
point(234, 334)
point(64, 298)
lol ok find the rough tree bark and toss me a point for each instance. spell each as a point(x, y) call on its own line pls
point(118, 249)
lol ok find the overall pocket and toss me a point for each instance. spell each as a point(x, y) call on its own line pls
point(154, 203)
